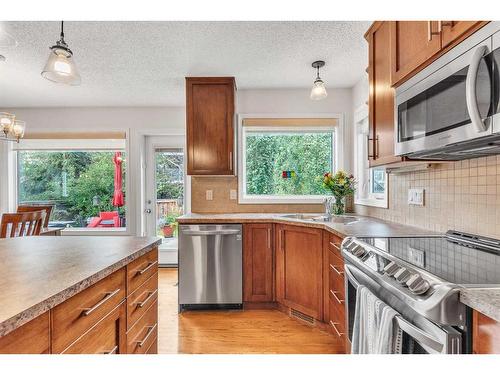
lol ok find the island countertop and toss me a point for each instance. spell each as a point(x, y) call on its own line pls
point(363, 227)
point(38, 273)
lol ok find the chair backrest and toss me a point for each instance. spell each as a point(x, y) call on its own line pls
point(47, 209)
point(22, 224)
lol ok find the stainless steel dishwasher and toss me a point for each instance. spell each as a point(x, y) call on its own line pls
point(210, 266)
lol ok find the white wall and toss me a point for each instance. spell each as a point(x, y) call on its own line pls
point(297, 101)
point(360, 93)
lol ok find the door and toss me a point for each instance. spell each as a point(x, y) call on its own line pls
point(412, 44)
point(209, 125)
point(452, 30)
point(381, 97)
point(299, 275)
point(258, 263)
point(165, 197)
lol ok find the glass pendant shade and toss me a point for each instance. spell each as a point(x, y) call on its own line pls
point(18, 128)
point(318, 91)
point(61, 68)
point(6, 122)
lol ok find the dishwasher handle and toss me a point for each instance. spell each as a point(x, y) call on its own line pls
point(223, 232)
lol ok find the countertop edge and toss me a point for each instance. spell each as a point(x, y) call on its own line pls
point(484, 300)
point(16, 321)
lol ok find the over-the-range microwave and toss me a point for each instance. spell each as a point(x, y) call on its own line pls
point(450, 110)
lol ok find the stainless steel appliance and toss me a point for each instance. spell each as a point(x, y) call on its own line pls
point(421, 277)
point(450, 110)
point(210, 266)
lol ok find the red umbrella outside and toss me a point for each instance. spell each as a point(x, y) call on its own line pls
point(118, 193)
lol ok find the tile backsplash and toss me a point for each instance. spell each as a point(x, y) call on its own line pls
point(462, 195)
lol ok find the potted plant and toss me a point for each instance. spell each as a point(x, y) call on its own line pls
point(168, 225)
point(340, 185)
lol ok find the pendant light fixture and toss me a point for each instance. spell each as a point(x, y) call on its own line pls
point(318, 91)
point(10, 128)
point(60, 66)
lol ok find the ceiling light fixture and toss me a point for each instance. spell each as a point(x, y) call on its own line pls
point(318, 91)
point(10, 128)
point(60, 66)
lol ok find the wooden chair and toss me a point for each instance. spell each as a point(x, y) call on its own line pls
point(47, 209)
point(22, 224)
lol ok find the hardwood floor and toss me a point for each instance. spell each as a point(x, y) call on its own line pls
point(233, 332)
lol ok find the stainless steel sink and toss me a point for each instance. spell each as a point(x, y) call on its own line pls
point(343, 219)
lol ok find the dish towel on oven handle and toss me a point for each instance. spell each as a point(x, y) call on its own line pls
point(375, 329)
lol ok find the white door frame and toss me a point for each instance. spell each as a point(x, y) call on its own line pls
point(153, 142)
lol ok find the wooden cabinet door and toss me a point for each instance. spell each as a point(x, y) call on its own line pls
point(299, 275)
point(485, 334)
point(30, 338)
point(381, 96)
point(209, 130)
point(258, 263)
point(452, 30)
point(413, 43)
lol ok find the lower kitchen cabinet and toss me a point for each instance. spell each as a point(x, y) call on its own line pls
point(485, 334)
point(30, 338)
point(299, 276)
point(258, 276)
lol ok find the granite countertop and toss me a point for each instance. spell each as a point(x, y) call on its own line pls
point(484, 300)
point(40, 272)
point(365, 226)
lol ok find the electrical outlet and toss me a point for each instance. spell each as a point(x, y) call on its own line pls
point(233, 195)
point(416, 197)
point(209, 195)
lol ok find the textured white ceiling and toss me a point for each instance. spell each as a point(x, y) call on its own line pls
point(144, 63)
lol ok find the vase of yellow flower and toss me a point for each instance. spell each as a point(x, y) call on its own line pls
point(340, 185)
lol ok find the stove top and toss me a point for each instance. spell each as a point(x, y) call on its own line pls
point(457, 258)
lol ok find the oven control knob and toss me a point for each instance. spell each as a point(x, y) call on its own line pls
point(417, 284)
point(358, 251)
point(402, 275)
point(391, 268)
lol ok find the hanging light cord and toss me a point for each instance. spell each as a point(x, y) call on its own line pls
point(62, 31)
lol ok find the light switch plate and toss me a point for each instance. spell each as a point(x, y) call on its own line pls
point(233, 195)
point(416, 197)
point(209, 195)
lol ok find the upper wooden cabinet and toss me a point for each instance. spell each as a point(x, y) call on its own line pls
point(381, 96)
point(210, 128)
point(299, 276)
point(258, 277)
point(412, 44)
point(415, 44)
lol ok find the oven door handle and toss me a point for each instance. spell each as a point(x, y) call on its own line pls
point(470, 89)
point(422, 337)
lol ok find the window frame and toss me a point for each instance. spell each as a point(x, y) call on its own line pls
point(73, 144)
point(380, 200)
point(337, 156)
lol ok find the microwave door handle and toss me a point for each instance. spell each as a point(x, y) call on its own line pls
point(470, 89)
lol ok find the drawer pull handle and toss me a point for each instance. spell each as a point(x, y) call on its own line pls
point(334, 325)
point(151, 329)
point(148, 298)
point(336, 270)
point(107, 297)
point(148, 267)
point(334, 294)
point(112, 351)
point(336, 246)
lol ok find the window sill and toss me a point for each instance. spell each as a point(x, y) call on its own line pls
point(95, 232)
point(381, 203)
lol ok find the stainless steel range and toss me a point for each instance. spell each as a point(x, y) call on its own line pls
point(421, 277)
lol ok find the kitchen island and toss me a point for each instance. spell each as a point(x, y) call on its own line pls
point(78, 294)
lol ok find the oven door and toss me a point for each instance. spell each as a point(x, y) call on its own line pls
point(420, 335)
point(451, 105)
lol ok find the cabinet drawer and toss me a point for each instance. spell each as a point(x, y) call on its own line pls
point(106, 337)
point(334, 243)
point(30, 338)
point(72, 318)
point(144, 333)
point(337, 318)
point(336, 273)
point(153, 349)
point(141, 269)
point(142, 299)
